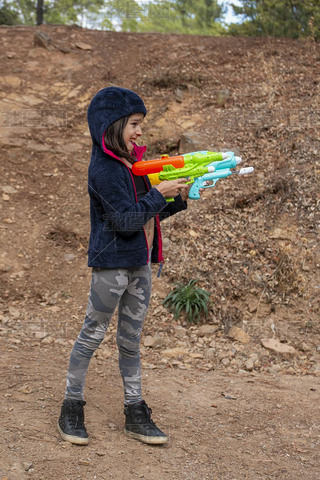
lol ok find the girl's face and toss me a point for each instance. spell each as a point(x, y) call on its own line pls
point(132, 131)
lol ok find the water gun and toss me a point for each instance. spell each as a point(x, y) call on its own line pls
point(202, 169)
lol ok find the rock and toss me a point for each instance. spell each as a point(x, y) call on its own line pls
point(62, 47)
point(207, 330)
point(153, 342)
point(27, 466)
point(252, 308)
point(74, 93)
point(228, 396)
point(26, 389)
point(249, 365)
point(222, 97)
point(276, 346)
point(9, 189)
point(304, 347)
point(19, 274)
point(158, 310)
point(14, 312)
point(194, 234)
point(239, 335)
point(161, 122)
point(33, 101)
point(191, 142)
point(166, 242)
point(54, 308)
point(40, 335)
point(4, 320)
point(179, 331)
point(83, 46)
point(178, 95)
point(175, 352)
point(280, 234)
point(316, 369)
point(196, 355)
point(49, 340)
point(42, 40)
point(150, 366)
point(69, 257)
point(192, 89)
point(39, 54)
point(187, 124)
point(4, 268)
point(11, 81)
point(182, 344)
point(254, 356)
point(275, 369)
point(210, 354)
point(225, 361)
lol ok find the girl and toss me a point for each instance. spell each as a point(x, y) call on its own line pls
point(125, 238)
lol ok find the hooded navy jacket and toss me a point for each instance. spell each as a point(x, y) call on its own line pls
point(117, 238)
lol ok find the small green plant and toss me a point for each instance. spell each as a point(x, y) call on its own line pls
point(189, 298)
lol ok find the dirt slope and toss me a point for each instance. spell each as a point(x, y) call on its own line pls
point(251, 241)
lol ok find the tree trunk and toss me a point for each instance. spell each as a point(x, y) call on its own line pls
point(39, 12)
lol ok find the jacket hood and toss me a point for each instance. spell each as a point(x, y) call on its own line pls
point(107, 106)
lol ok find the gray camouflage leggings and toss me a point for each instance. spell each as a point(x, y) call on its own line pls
point(130, 289)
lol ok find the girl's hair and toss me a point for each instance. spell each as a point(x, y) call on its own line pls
point(114, 139)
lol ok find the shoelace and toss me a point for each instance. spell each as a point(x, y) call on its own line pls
point(77, 418)
point(148, 412)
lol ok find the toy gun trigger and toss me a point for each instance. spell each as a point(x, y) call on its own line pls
point(209, 183)
point(191, 180)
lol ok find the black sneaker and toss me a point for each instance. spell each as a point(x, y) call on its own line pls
point(140, 426)
point(71, 422)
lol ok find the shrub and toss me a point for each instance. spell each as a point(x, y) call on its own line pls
point(194, 301)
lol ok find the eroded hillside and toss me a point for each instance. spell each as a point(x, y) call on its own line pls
point(252, 241)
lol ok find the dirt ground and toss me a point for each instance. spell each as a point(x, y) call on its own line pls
point(233, 409)
point(221, 426)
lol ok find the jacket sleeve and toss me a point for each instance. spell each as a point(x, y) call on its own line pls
point(172, 208)
point(115, 193)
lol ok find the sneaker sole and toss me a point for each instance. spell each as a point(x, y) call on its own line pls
point(147, 439)
point(72, 438)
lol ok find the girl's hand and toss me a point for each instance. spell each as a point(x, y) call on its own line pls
point(172, 188)
point(185, 194)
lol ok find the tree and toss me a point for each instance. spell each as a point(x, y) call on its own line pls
point(180, 16)
point(40, 12)
point(200, 15)
point(123, 15)
point(8, 15)
point(30, 12)
point(66, 12)
point(173, 16)
point(279, 18)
